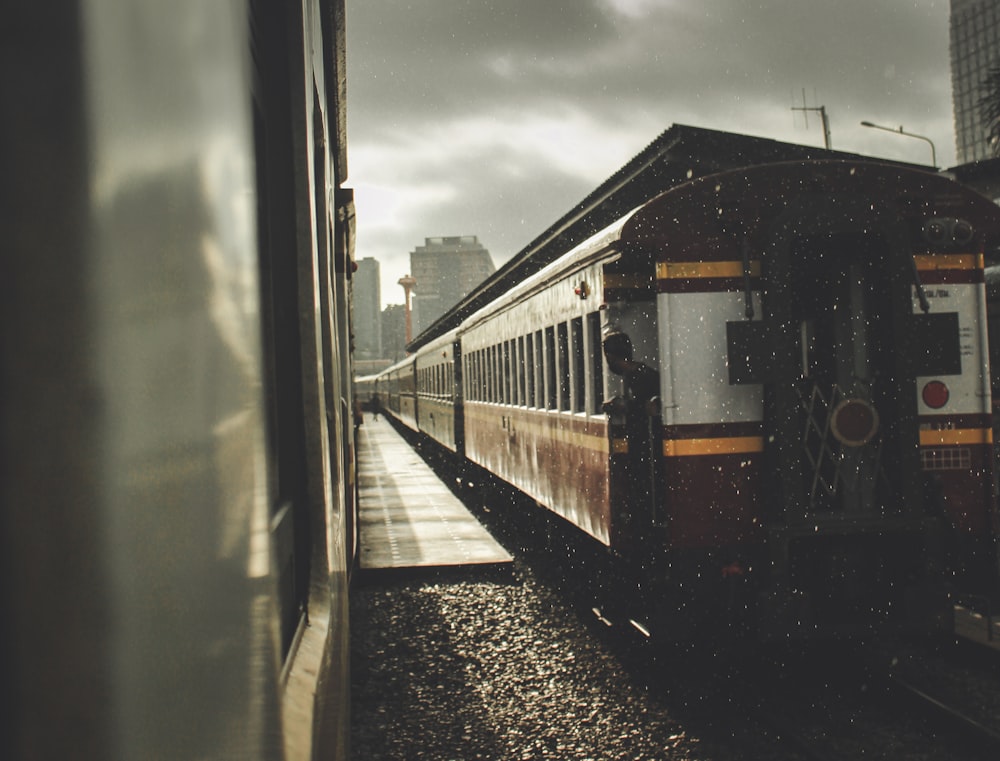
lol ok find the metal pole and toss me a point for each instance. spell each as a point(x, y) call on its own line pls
point(900, 131)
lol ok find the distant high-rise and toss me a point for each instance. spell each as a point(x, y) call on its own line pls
point(446, 270)
point(975, 48)
point(367, 292)
point(393, 332)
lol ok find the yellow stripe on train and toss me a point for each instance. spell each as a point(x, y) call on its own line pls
point(956, 436)
point(926, 262)
point(726, 445)
point(693, 270)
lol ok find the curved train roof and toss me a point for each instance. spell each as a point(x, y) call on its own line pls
point(708, 203)
point(745, 197)
point(676, 156)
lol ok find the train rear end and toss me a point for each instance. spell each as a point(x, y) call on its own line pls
point(826, 445)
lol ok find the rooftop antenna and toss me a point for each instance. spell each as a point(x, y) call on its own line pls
point(822, 113)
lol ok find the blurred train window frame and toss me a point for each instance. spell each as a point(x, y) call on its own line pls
point(283, 399)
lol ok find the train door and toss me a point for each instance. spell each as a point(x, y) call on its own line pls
point(847, 346)
point(634, 426)
point(850, 418)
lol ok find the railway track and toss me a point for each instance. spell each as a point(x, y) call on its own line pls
point(968, 729)
point(824, 705)
point(820, 706)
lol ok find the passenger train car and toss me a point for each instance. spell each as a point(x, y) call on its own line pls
point(816, 458)
point(176, 521)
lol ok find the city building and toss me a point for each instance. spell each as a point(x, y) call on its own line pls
point(367, 325)
point(445, 269)
point(975, 48)
point(394, 332)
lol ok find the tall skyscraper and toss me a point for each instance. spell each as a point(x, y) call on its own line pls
point(393, 332)
point(446, 270)
point(975, 48)
point(367, 292)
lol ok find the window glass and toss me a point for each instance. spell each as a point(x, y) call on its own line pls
point(530, 367)
point(596, 362)
point(562, 362)
point(551, 390)
point(521, 367)
point(506, 373)
point(579, 377)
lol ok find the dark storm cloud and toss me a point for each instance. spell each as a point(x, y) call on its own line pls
point(493, 118)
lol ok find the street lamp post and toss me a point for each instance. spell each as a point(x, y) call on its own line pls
point(908, 134)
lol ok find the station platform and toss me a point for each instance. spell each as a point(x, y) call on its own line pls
point(409, 519)
point(976, 627)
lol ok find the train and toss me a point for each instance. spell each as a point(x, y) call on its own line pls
point(764, 394)
point(178, 512)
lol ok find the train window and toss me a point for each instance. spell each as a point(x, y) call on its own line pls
point(480, 389)
point(563, 365)
point(511, 356)
point(484, 380)
point(596, 358)
point(518, 344)
point(530, 370)
point(495, 378)
point(502, 385)
point(579, 377)
point(285, 426)
point(471, 390)
point(488, 373)
point(551, 395)
point(515, 386)
point(521, 366)
point(506, 373)
point(484, 358)
point(539, 370)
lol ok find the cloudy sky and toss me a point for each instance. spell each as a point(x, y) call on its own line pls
point(494, 117)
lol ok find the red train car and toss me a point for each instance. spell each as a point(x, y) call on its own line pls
point(796, 436)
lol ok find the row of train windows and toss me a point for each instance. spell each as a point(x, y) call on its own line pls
point(437, 380)
point(557, 368)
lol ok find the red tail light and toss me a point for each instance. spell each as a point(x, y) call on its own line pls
point(935, 394)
